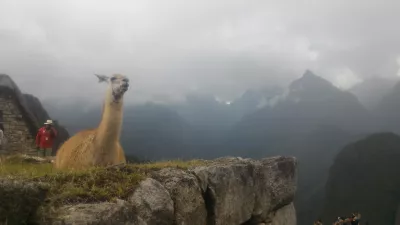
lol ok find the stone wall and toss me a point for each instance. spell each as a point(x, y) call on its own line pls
point(16, 130)
point(227, 191)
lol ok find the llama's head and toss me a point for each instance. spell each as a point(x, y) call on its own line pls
point(118, 85)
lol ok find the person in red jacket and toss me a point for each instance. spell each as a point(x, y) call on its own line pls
point(45, 138)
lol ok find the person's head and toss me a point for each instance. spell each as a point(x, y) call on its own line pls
point(48, 124)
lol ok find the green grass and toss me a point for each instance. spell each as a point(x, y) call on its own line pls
point(92, 185)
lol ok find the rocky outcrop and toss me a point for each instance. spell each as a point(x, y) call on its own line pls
point(285, 216)
point(152, 202)
point(225, 191)
point(189, 206)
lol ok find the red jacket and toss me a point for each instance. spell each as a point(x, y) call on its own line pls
point(45, 138)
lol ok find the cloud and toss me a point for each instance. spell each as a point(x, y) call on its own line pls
point(51, 48)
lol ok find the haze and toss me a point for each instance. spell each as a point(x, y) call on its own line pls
point(169, 48)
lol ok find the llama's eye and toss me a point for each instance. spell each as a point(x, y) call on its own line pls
point(125, 80)
point(113, 78)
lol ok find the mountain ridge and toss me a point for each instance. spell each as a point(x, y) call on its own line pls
point(369, 162)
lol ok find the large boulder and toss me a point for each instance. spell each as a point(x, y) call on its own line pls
point(285, 216)
point(228, 186)
point(241, 191)
point(153, 203)
point(279, 174)
point(185, 191)
point(275, 185)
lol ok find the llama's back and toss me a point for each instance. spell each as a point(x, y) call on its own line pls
point(75, 152)
point(78, 152)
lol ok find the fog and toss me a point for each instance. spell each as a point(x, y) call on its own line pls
point(168, 48)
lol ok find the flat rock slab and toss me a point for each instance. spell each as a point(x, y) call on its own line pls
point(119, 213)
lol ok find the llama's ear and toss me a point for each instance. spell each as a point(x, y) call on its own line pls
point(102, 78)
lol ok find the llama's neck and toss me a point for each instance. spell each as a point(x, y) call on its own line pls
point(109, 129)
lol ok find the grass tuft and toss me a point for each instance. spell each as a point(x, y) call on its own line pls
point(92, 185)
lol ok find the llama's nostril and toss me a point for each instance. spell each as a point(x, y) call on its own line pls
point(124, 86)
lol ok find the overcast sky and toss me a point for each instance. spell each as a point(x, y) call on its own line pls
point(52, 47)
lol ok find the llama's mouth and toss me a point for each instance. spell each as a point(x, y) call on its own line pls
point(119, 93)
point(120, 90)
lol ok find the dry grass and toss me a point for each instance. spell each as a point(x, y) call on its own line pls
point(179, 164)
point(93, 185)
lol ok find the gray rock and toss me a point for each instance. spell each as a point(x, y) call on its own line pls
point(228, 185)
point(275, 185)
point(244, 190)
point(285, 216)
point(119, 213)
point(152, 202)
point(282, 179)
point(186, 194)
point(20, 200)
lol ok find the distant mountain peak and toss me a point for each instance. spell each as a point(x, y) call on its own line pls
point(309, 74)
point(311, 81)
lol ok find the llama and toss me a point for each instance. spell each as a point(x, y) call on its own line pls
point(98, 147)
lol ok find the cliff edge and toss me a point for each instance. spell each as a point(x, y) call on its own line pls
point(224, 191)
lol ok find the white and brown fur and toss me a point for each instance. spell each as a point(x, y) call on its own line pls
point(100, 146)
